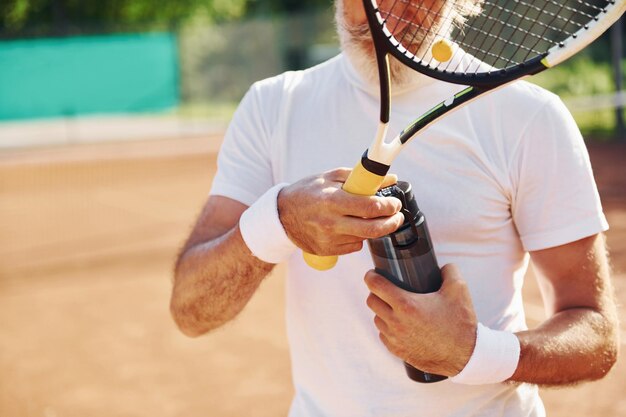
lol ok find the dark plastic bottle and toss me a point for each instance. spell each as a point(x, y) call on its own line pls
point(406, 257)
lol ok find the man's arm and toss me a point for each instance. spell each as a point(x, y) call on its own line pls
point(578, 342)
point(216, 274)
point(580, 339)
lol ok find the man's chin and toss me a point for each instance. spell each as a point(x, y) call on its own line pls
point(358, 46)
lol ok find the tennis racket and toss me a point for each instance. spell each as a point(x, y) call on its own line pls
point(480, 44)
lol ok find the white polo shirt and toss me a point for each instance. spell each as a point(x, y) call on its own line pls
point(500, 177)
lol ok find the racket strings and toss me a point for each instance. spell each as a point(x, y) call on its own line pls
point(502, 34)
point(439, 16)
point(414, 39)
point(407, 18)
point(482, 46)
point(528, 31)
point(541, 37)
point(521, 45)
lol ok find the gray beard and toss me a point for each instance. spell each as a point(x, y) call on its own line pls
point(357, 44)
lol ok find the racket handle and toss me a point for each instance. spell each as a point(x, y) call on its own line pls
point(359, 182)
point(363, 182)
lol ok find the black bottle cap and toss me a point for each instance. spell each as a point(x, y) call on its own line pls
point(404, 192)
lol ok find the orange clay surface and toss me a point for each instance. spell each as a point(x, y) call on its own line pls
point(88, 235)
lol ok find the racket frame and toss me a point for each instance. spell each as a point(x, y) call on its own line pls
point(369, 173)
point(585, 35)
point(381, 153)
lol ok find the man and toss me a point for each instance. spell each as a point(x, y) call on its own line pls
point(503, 178)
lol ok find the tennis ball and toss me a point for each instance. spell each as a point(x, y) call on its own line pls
point(442, 50)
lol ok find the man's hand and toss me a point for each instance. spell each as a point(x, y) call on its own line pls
point(322, 219)
point(434, 332)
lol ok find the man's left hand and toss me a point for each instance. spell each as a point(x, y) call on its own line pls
point(434, 332)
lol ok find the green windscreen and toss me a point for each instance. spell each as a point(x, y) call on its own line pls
point(87, 75)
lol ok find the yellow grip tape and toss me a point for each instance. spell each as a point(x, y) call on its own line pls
point(321, 263)
point(363, 182)
point(360, 182)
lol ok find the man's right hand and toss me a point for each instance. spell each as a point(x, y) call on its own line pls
point(322, 219)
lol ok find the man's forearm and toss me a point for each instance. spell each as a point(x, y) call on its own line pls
point(213, 282)
point(574, 345)
point(580, 340)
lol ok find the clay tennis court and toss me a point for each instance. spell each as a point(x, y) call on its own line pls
point(88, 235)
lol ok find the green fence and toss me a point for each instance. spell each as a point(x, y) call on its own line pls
point(87, 75)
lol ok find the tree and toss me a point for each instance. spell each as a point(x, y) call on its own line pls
point(69, 16)
point(59, 17)
point(284, 6)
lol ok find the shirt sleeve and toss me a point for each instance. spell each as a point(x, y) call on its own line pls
point(555, 198)
point(244, 169)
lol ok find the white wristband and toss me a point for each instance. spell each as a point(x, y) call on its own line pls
point(262, 230)
point(494, 359)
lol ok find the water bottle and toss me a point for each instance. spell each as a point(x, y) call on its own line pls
point(406, 257)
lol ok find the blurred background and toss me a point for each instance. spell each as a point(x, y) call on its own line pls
point(111, 114)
